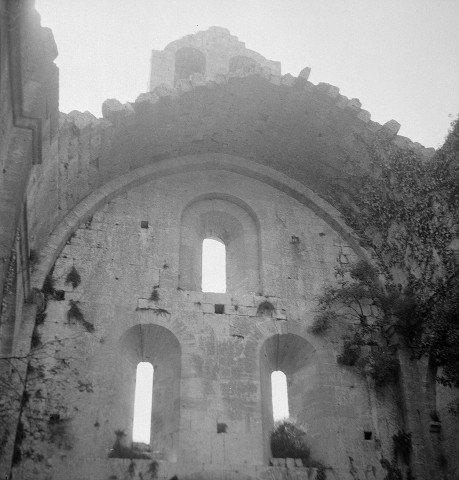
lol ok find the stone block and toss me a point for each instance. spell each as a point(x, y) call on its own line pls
point(183, 85)
point(305, 73)
point(354, 104)
point(247, 311)
point(288, 80)
point(333, 91)
point(277, 462)
point(197, 80)
point(290, 462)
point(309, 87)
point(364, 115)
point(245, 300)
point(208, 308)
point(113, 110)
point(298, 462)
point(222, 298)
point(275, 79)
point(220, 79)
point(281, 314)
point(164, 90)
point(232, 309)
point(266, 72)
point(82, 120)
point(148, 97)
point(342, 101)
point(190, 296)
point(392, 126)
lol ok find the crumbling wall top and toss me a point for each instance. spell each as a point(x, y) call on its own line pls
point(207, 52)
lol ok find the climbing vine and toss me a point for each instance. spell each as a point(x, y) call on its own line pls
point(406, 209)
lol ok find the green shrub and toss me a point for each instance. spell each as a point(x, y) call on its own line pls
point(350, 354)
point(119, 450)
point(322, 322)
point(383, 367)
point(289, 441)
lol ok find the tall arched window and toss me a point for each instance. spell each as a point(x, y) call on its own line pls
point(279, 396)
point(141, 430)
point(213, 266)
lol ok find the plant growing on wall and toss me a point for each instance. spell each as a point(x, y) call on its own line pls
point(359, 298)
point(406, 209)
point(289, 441)
point(265, 309)
point(74, 313)
point(28, 385)
point(121, 450)
point(73, 277)
point(154, 297)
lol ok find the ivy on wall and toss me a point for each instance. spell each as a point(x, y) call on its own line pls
point(406, 210)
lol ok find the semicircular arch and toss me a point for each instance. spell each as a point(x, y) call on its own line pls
point(190, 163)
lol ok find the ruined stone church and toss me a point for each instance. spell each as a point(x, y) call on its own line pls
point(102, 229)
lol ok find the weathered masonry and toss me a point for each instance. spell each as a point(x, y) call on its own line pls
point(102, 272)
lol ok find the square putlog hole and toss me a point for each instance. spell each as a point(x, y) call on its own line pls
point(222, 428)
point(144, 224)
point(219, 308)
point(367, 435)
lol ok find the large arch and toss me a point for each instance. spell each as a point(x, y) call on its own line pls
point(190, 163)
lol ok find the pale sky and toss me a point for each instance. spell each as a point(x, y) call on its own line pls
point(399, 57)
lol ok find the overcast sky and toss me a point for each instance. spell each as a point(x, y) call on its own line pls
point(399, 57)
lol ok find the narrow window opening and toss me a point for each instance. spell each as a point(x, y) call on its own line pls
point(279, 396)
point(142, 403)
point(213, 266)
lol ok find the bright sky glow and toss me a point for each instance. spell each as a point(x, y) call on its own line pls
point(399, 57)
point(213, 266)
point(142, 403)
point(280, 396)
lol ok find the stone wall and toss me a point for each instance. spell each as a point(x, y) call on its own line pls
point(216, 46)
point(241, 148)
point(305, 131)
point(28, 133)
point(224, 359)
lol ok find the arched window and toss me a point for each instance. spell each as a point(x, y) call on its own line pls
point(236, 228)
point(189, 60)
point(279, 396)
point(141, 347)
point(142, 403)
point(213, 266)
point(287, 357)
